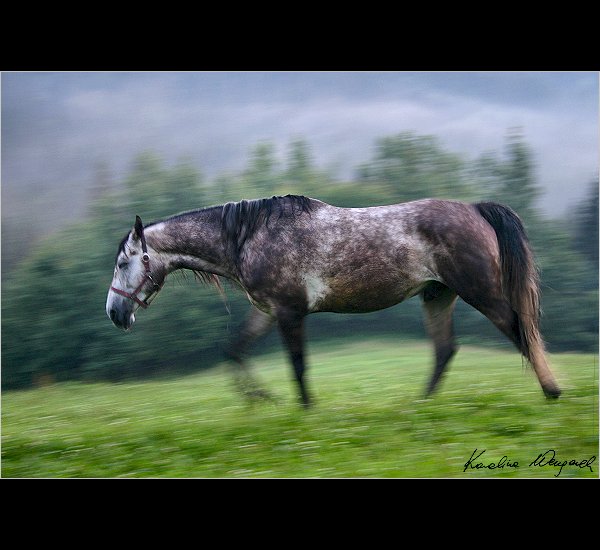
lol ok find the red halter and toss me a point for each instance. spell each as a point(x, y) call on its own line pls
point(147, 276)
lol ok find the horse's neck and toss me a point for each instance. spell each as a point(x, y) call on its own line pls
point(191, 241)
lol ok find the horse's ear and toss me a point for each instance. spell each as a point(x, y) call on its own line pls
point(138, 228)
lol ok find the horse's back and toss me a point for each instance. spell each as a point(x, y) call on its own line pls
point(360, 259)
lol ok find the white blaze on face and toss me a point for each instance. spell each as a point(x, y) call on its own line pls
point(316, 289)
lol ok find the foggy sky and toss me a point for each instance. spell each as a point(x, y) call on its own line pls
point(57, 126)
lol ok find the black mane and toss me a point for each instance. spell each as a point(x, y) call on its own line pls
point(239, 220)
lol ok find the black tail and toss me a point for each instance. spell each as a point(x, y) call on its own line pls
point(520, 277)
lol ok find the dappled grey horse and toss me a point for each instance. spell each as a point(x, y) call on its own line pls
point(295, 255)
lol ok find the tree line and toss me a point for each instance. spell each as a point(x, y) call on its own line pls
point(54, 326)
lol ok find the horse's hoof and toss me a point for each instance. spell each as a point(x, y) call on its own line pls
point(552, 393)
point(307, 404)
point(260, 394)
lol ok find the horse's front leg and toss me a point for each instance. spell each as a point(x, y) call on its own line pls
point(291, 327)
point(257, 324)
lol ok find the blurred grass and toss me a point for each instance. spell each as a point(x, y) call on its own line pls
point(369, 420)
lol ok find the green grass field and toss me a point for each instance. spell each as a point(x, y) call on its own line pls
point(369, 420)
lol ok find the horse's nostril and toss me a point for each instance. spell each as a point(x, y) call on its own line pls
point(113, 315)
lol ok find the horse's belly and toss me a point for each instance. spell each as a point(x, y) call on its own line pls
point(357, 296)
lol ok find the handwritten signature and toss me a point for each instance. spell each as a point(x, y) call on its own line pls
point(543, 459)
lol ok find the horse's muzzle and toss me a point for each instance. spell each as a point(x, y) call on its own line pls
point(121, 320)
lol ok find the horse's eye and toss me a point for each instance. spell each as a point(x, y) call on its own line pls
point(123, 265)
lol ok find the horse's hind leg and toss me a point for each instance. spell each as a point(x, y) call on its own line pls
point(438, 304)
point(489, 301)
point(256, 325)
point(508, 321)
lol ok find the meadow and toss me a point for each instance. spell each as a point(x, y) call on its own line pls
point(369, 420)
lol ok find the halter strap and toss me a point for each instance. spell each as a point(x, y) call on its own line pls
point(143, 239)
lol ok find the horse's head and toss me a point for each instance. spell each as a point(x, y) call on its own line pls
point(138, 277)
